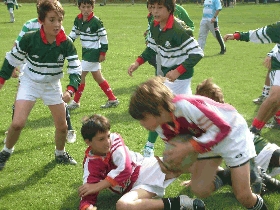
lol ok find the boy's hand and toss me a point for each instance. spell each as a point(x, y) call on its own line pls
point(87, 189)
point(66, 97)
point(91, 207)
point(267, 62)
point(15, 72)
point(101, 58)
point(228, 37)
point(173, 75)
point(132, 68)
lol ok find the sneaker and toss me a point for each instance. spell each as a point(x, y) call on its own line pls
point(255, 131)
point(259, 100)
point(4, 156)
point(111, 103)
point(65, 159)
point(73, 105)
point(273, 124)
point(148, 151)
point(71, 136)
point(223, 51)
point(187, 203)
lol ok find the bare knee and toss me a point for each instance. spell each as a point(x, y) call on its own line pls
point(201, 190)
point(123, 205)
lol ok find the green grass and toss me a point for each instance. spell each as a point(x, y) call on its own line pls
point(31, 179)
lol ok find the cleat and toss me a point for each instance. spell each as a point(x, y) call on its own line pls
point(148, 151)
point(4, 156)
point(273, 125)
point(223, 51)
point(271, 184)
point(71, 136)
point(259, 100)
point(73, 105)
point(187, 203)
point(65, 159)
point(255, 131)
point(110, 103)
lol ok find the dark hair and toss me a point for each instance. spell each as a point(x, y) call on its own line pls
point(91, 2)
point(169, 4)
point(94, 124)
point(46, 6)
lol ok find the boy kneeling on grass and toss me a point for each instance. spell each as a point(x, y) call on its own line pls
point(219, 133)
point(109, 164)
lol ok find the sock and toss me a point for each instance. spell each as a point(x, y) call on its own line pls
point(152, 136)
point(107, 90)
point(258, 124)
point(13, 109)
point(149, 144)
point(260, 205)
point(79, 93)
point(59, 152)
point(277, 117)
point(68, 119)
point(225, 176)
point(8, 150)
point(171, 203)
point(266, 90)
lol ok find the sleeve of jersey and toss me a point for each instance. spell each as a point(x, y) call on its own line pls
point(195, 54)
point(147, 54)
point(22, 32)
point(74, 66)
point(75, 33)
point(216, 129)
point(264, 35)
point(273, 51)
point(122, 160)
point(102, 34)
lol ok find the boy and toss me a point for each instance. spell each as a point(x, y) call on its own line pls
point(44, 51)
point(11, 7)
point(271, 105)
point(268, 154)
point(109, 164)
point(176, 52)
point(34, 25)
point(94, 47)
point(219, 132)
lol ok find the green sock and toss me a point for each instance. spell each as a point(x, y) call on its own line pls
point(152, 136)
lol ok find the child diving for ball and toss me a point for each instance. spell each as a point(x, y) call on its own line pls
point(219, 133)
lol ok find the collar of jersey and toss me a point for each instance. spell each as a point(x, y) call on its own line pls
point(60, 37)
point(80, 16)
point(89, 155)
point(169, 22)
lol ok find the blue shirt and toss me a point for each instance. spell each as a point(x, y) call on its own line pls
point(210, 8)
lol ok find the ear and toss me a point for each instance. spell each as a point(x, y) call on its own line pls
point(87, 142)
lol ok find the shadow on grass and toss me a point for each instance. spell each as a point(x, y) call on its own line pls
point(32, 180)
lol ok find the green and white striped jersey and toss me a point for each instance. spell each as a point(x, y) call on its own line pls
point(175, 47)
point(93, 37)
point(265, 35)
point(30, 25)
point(44, 61)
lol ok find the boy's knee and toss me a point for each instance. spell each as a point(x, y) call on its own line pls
point(122, 205)
point(201, 190)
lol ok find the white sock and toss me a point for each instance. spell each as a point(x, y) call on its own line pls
point(59, 152)
point(8, 150)
point(149, 144)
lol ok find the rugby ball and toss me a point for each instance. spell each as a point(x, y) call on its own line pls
point(187, 161)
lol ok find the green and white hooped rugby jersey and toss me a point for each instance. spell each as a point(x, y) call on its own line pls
point(265, 35)
point(175, 47)
point(93, 37)
point(30, 25)
point(44, 61)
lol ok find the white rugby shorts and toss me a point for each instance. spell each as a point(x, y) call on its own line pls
point(90, 66)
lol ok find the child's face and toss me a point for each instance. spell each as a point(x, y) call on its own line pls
point(86, 10)
point(150, 8)
point(100, 144)
point(150, 122)
point(52, 24)
point(160, 13)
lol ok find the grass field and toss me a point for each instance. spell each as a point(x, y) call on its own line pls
point(32, 180)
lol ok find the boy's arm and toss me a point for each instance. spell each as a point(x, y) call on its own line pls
point(102, 34)
point(184, 16)
point(264, 35)
point(75, 33)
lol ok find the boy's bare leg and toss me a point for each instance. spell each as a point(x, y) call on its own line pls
point(203, 175)
point(22, 110)
point(58, 113)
